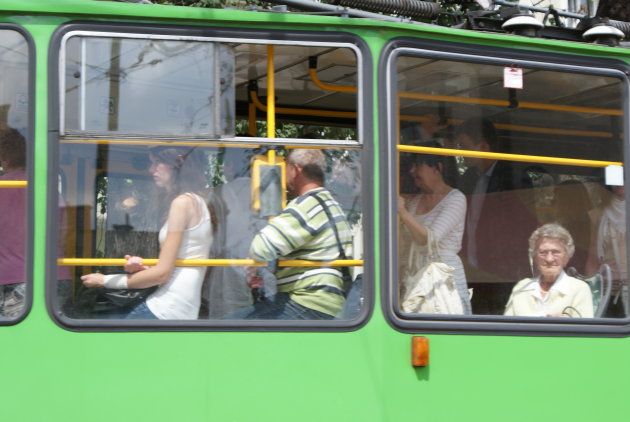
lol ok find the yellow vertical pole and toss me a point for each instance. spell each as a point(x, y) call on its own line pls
point(271, 94)
point(271, 104)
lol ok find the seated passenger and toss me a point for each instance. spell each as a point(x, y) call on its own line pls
point(439, 209)
point(186, 234)
point(303, 230)
point(552, 293)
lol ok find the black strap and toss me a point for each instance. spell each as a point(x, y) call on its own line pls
point(342, 253)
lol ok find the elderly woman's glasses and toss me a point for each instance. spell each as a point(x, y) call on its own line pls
point(554, 252)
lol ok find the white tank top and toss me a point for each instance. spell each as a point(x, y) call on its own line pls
point(180, 296)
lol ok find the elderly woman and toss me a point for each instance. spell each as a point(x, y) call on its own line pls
point(552, 293)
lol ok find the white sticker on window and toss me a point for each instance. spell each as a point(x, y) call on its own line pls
point(614, 175)
point(513, 77)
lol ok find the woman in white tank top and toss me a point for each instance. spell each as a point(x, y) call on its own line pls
point(185, 234)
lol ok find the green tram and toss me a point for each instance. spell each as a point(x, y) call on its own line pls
point(92, 86)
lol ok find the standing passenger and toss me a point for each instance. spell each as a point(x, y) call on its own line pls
point(573, 208)
point(439, 209)
point(226, 288)
point(185, 234)
point(610, 248)
point(498, 221)
point(303, 231)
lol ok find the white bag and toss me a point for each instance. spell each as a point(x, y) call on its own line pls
point(430, 289)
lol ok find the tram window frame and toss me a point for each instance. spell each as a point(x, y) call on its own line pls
point(260, 37)
point(497, 56)
point(30, 172)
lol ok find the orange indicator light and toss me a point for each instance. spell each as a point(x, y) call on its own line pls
point(419, 351)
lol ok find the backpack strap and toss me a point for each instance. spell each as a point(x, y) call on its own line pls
point(347, 278)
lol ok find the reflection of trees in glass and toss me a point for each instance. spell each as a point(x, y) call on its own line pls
point(127, 210)
point(295, 130)
point(343, 176)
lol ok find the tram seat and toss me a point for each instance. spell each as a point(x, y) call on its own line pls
point(601, 287)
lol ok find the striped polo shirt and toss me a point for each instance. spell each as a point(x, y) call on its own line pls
point(304, 231)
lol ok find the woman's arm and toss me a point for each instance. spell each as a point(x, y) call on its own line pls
point(453, 214)
point(419, 232)
point(179, 216)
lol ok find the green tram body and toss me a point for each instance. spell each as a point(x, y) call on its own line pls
point(486, 369)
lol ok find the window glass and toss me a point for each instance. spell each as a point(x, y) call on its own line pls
point(156, 86)
point(14, 129)
point(538, 230)
point(198, 88)
point(249, 210)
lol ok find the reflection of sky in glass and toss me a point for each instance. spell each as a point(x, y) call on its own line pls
point(14, 82)
point(149, 86)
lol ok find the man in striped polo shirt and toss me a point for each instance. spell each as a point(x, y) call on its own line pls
point(304, 230)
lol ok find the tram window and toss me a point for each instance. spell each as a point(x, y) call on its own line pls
point(122, 201)
point(206, 89)
point(14, 128)
point(536, 232)
point(119, 199)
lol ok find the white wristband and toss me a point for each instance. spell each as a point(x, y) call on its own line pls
point(115, 281)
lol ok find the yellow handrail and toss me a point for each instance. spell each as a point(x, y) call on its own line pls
point(119, 262)
point(520, 128)
point(13, 183)
point(508, 157)
point(329, 87)
point(505, 103)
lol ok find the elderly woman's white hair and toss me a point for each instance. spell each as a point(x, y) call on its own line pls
point(552, 231)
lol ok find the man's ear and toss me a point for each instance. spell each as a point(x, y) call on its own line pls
point(484, 146)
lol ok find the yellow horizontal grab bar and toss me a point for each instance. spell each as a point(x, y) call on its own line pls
point(520, 128)
point(505, 103)
point(329, 87)
point(508, 157)
point(13, 183)
point(119, 262)
point(335, 263)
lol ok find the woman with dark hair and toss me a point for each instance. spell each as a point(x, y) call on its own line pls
point(438, 212)
point(186, 233)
